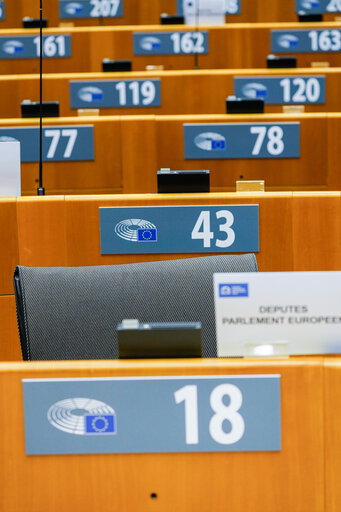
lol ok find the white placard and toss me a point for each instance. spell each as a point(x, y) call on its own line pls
point(301, 310)
point(204, 12)
point(10, 182)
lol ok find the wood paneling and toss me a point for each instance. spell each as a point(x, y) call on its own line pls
point(9, 335)
point(9, 254)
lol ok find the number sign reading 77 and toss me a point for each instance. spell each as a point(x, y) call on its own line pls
point(60, 143)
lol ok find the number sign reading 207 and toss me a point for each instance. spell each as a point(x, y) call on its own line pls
point(242, 140)
point(306, 41)
point(318, 6)
point(60, 143)
point(90, 9)
point(28, 47)
point(179, 229)
point(170, 43)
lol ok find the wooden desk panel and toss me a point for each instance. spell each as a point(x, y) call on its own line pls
point(9, 335)
point(9, 254)
point(259, 482)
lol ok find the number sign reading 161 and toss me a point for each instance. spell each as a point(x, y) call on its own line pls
point(170, 43)
point(152, 414)
point(179, 229)
point(306, 41)
point(242, 140)
point(318, 6)
point(28, 47)
point(60, 143)
point(276, 90)
point(2, 10)
point(90, 9)
point(115, 93)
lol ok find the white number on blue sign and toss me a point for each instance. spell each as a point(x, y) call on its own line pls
point(202, 229)
point(55, 135)
point(222, 413)
point(273, 137)
point(306, 90)
point(144, 91)
point(325, 40)
point(231, 6)
point(52, 46)
point(104, 8)
point(188, 42)
point(334, 6)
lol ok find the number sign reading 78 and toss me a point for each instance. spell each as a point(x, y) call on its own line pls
point(60, 143)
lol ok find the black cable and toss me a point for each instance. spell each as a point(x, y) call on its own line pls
point(41, 190)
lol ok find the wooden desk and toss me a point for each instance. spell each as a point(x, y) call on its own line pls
point(292, 479)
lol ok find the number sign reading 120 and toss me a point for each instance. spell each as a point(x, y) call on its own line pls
point(170, 43)
point(306, 41)
point(115, 93)
point(28, 47)
point(90, 9)
point(153, 414)
point(241, 140)
point(2, 10)
point(276, 90)
point(318, 6)
point(60, 143)
point(179, 229)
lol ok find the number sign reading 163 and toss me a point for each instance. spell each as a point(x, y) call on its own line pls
point(152, 414)
point(170, 43)
point(2, 10)
point(90, 9)
point(60, 143)
point(115, 93)
point(277, 90)
point(179, 229)
point(242, 140)
point(306, 41)
point(318, 6)
point(28, 47)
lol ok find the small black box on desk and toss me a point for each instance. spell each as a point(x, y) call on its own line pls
point(182, 181)
point(116, 65)
point(32, 108)
point(236, 105)
point(171, 19)
point(303, 17)
point(28, 22)
point(281, 62)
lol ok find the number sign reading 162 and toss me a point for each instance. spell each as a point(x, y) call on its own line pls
point(318, 7)
point(242, 140)
point(115, 93)
point(179, 229)
point(173, 414)
point(60, 143)
point(170, 43)
point(28, 47)
point(306, 41)
point(276, 90)
point(90, 9)
point(2, 10)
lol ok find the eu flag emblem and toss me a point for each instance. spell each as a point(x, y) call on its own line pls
point(100, 424)
point(146, 235)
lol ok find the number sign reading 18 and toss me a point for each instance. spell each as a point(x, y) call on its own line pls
point(241, 140)
point(225, 413)
point(318, 7)
point(90, 9)
point(277, 90)
point(170, 43)
point(179, 229)
point(2, 10)
point(231, 6)
point(28, 47)
point(115, 93)
point(60, 143)
point(306, 41)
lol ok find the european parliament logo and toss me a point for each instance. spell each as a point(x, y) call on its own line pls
point(90, 94)
point(234, 290)
point(255, 91)
point(288, 41)
point(136, 230)
point(73, 8)
point(150, 43)
point(13, 47)
point(83, 416)
point(310, 4)
point(210, 141)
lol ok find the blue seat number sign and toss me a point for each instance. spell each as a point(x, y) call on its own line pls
point(153, 414)
point(60, 143)
point(28, 47)
point(306, 41)
point(278, 90)
point(232, 6)
point(90, 9)
point(2, 10)
point(179, 229)
point(171, 43)
point(241, 140)
point(115, 93)
point(318, 6)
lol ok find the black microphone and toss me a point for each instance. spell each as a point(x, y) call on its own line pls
point(40, 189)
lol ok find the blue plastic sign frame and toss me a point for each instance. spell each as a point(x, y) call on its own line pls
point(232, 7)
point(279, 90)
point(188, 42)
point(179, 229)
point(241, 140)
point(306, 41)
point(238, 413)
point(60, 143)
point(317, 6)
point(2, 10)
point(56, 46)
point(136, 93)
point(93, 9)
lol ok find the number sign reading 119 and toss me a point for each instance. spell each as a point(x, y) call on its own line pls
point(170, 43)
point(90, 9)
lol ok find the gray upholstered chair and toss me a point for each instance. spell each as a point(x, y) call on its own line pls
point(72, 312)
